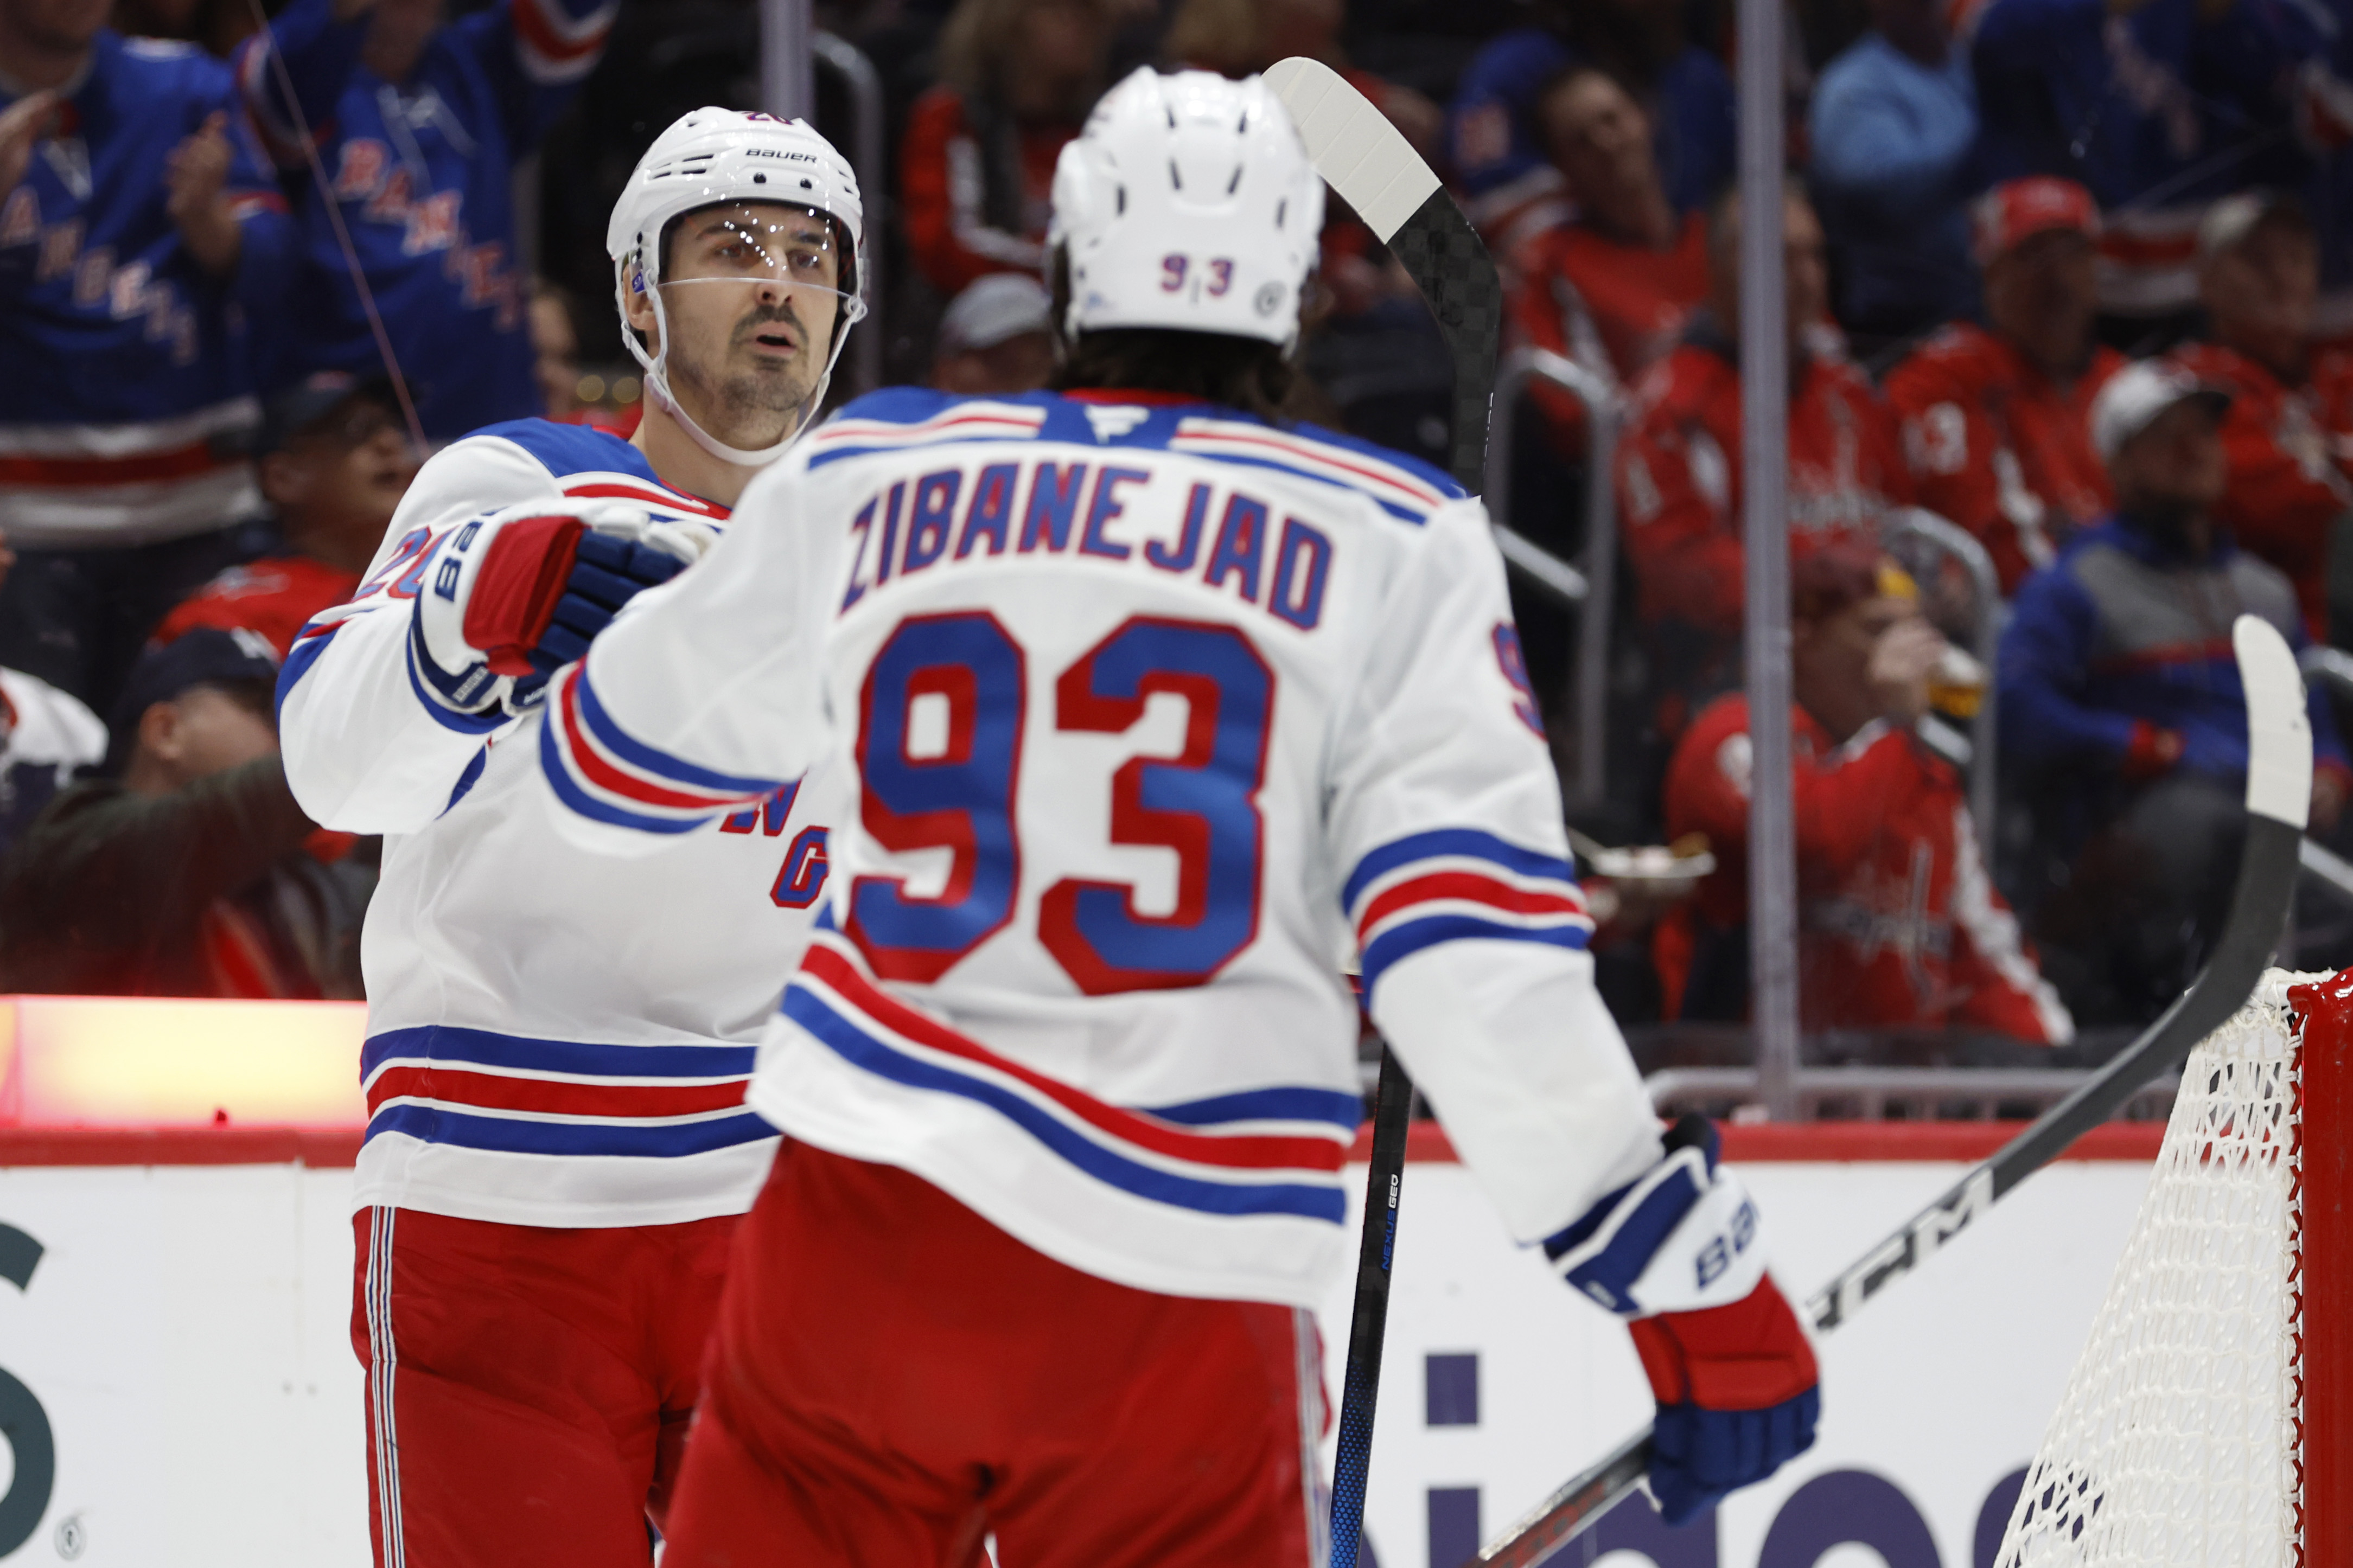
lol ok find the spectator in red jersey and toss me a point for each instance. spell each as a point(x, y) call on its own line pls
point(1900, 925)
point(1996, 417)
point(996, 337)
point(333, 465)
point(2259, 278)
point(976, 168)
point(1613, 288)
point(184, 873)
point(1678, 465)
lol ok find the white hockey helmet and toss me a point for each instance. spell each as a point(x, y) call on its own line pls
point(1187, 201)
point(711, 157)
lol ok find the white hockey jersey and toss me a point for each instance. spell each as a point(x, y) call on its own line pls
point(1161, 718)
point(555, 1037)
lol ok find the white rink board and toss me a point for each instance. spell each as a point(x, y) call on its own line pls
point(187, 1332)
point(1942, 1386)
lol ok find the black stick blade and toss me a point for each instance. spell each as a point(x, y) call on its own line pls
point(1449, 263)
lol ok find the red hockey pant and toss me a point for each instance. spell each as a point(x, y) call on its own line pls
point(893, 1378)
point(528, 1389)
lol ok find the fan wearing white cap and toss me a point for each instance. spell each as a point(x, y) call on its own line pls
point(2122, 708)
point(1164, 711)
point(557, 1151)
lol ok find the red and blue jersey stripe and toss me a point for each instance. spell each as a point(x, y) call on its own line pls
point(1271, 1150)
point(1460, 884)
point(601, 771)
point(476, 1089)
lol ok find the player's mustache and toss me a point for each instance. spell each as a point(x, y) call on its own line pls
point(765, 316)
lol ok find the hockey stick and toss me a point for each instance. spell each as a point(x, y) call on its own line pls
point(2279, 791)
point(1369, 1320)
point(1364, 158)
point(1375, 170)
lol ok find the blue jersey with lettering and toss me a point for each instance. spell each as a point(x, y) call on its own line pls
point(555, 1037)
point(422, 176)
point(126, 375)
point(2156, 112)
point(1161, 718)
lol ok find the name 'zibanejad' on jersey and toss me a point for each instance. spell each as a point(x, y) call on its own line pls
point(1162, 718)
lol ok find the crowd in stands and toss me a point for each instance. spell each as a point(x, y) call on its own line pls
point(2073, 275)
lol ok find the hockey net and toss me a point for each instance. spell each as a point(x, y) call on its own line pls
point(2192, 1431)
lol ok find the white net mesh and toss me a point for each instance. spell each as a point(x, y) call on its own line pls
point(2175, 1442)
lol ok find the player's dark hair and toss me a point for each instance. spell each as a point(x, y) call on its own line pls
point(1248, 374)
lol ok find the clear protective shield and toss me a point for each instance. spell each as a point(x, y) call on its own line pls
point(746, 244)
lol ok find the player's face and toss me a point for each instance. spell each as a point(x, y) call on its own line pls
point(750, 292)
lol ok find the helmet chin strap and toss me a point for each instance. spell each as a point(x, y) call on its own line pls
point(659, 394)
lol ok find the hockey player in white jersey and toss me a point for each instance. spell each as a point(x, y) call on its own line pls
point(1161, 715)
point(557, 1146)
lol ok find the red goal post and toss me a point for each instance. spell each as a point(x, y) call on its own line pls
point(2324, 1127)
point(2209, 1415)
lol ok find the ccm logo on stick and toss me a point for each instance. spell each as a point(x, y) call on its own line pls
point(1902, 1254)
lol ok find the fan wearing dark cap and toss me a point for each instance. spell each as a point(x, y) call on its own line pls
point(2122, 709)
point(333, 465)
point(2287, 440)
point(1901, 923)
point(183, 872)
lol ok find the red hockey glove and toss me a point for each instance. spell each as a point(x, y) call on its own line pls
point(520, 596)
point(549, 584)
point(522, 574)
point(1738, 1397)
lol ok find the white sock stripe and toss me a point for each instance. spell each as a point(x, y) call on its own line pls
point(1307, 1363)
point(374, 1285)
point(383, 1360)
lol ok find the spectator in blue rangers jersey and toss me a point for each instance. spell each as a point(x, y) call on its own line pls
point(419, 124)
point(137, 226)
point(2155, 106)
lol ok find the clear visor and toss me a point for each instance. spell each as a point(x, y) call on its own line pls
point(758, 244)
